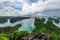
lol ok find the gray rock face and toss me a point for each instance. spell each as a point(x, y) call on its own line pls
point(39, 36)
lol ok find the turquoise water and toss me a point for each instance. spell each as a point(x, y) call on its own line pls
point(26, 28)
point(27, 24)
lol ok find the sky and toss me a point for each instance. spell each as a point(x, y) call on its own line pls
point(29, 7)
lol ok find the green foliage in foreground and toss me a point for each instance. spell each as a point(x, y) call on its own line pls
point(11, 33)
point(3, 37)
point(13, 36)
point(9, 29)
point(48, 29)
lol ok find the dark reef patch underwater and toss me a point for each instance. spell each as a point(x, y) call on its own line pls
point(29, 28)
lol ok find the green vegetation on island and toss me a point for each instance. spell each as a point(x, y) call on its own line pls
point(12, 19)
point(47, 29)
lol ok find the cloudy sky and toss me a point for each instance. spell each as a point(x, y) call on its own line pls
point(29, 7)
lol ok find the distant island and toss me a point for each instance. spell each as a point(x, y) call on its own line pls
point(13, 19)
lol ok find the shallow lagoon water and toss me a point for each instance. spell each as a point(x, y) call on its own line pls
point(27, 24)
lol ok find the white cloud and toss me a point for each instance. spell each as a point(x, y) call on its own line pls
point(35, 7)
